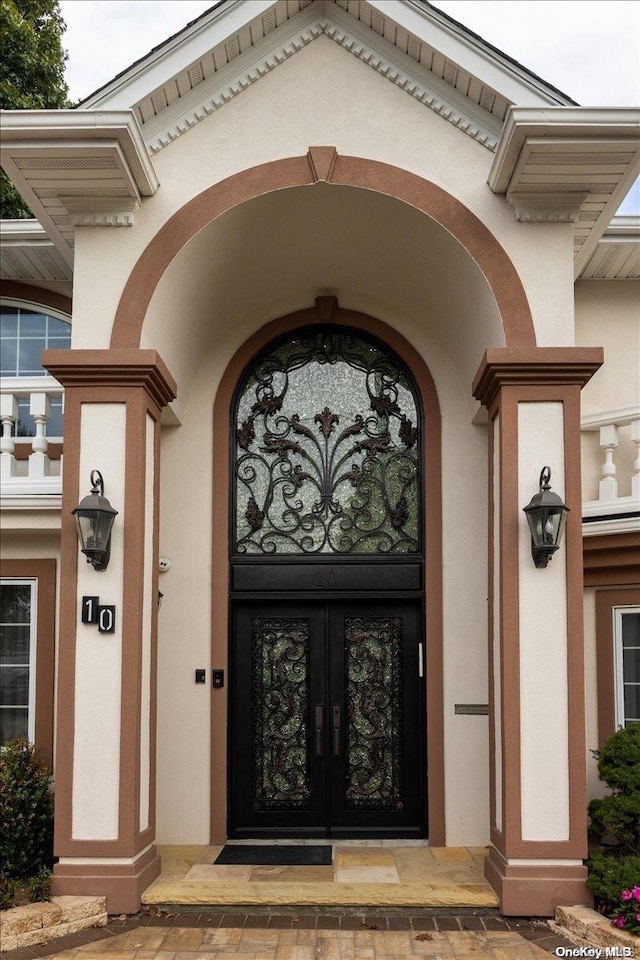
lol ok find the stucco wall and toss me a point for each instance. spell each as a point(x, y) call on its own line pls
point(323, 95)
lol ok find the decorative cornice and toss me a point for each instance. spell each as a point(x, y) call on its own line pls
point(287, 40)
point(101, 211)
point(554, 208)
point(113, 368)
point(405, 73)
point(514, 366)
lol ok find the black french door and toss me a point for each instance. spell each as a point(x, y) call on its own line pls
point(326, 718)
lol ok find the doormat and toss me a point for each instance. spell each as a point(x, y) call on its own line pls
point(287, 855)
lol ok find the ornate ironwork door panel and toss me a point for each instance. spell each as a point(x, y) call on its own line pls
point(326, 719)
point(376, 779)
point(278, 666)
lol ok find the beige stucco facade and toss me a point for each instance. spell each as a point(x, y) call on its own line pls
point(399, 233)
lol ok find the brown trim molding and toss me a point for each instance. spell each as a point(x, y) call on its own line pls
point(122, 884)
point(611, 560)
point(606, 600)
point(323, 163)
point(44, 571)
point(13, 290)
point(327, 310)
point(501, 366)
point(536, 890)
point(117, 368)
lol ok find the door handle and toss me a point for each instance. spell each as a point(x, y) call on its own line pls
point(318, 730)
point(336, 723)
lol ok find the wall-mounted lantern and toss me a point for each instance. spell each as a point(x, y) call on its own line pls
point(547, 516)
point(94, 518)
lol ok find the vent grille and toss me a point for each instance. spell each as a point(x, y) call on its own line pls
point(450, 73)
point(377, 22)
point(196, 75)
point(414, 48)
point(232, 48)
point(159, 101)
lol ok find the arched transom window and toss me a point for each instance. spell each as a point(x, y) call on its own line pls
point(327, 449)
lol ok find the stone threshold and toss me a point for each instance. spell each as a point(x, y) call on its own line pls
point(590, 929)
point(193, 892)
point(39, 923)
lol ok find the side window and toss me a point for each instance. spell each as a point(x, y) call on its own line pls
point(25, 332)
point(626, 634)
point(17, 659)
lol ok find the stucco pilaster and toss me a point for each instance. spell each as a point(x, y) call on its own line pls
point(105, 770)
point(537, 710)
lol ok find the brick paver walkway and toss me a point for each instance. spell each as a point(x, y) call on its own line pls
point(307, 936)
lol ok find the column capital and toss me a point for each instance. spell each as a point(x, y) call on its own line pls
point(534, 366)
point(113, 368)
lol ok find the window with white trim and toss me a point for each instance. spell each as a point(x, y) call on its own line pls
point(25, 331)
point(626, 638)
point(18, 600)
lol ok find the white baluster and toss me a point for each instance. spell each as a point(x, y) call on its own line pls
point(40, 410)
point(608, 487)
point(635, 480)
point(8, 416)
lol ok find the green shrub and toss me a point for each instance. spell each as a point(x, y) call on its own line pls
point(7, 890)
point(616, 817)
point(39, 886)
point(614, 874)
point(26, 812)
point(609, 875)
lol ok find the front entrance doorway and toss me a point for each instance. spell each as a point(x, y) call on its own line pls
point(327, 604)
point(333, 722)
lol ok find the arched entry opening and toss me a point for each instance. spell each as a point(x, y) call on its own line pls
point(326, 641)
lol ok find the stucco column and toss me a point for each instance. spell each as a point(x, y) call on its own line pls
point(106, 704)
point(536, 670)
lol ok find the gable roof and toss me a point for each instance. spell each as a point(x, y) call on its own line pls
point(432, 57)
point(553, 160)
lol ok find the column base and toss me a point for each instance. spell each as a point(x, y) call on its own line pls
point(535, 889)
point(121, 881)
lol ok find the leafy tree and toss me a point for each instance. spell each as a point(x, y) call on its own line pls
point(31, 71)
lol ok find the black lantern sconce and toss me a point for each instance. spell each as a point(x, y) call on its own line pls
point(547, 516)
point(94, 518)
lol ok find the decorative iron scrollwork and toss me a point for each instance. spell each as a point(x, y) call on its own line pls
point(327, 450)
point(280, 713)
point(373, 686)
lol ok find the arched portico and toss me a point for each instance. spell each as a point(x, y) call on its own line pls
point(520, 373)
point(323, 164)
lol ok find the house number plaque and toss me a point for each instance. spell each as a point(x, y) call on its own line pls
point(104, 615)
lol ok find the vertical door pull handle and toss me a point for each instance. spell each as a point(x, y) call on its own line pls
point(318, 730)
point(335, 713)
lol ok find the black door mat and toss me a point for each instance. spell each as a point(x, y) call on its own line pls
point(285, 855)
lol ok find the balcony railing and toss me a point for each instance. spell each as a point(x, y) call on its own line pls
point(617, 482)
point(31, 445)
